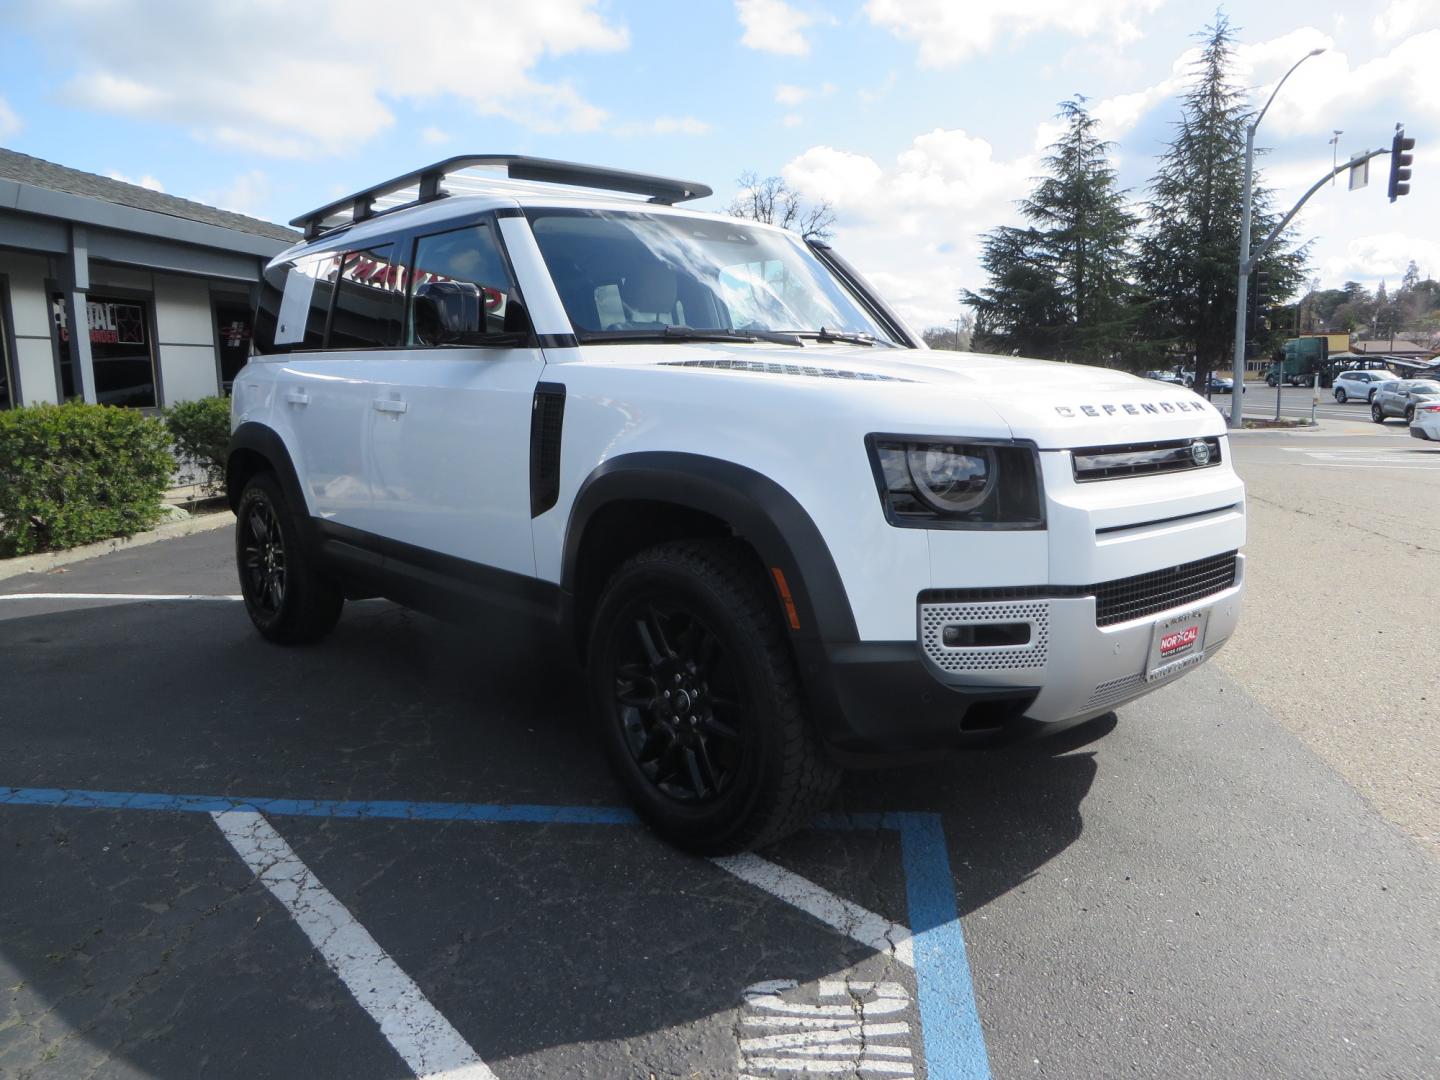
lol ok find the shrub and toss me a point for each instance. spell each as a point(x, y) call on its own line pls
point(201, 430)
point(73, 474)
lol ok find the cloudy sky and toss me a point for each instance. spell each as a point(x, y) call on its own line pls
point(920, 120)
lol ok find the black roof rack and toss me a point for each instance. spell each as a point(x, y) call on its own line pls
point(517, 167)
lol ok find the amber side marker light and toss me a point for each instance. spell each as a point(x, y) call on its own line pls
point(785, 597)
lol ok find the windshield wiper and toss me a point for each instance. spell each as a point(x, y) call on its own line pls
point(826, 336)
point(690, 333)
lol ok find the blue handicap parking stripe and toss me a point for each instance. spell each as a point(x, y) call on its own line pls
point(949, 1021)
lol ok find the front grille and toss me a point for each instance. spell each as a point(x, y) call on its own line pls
point(1119, 600)
point(1145, 594)
point(1143, 459)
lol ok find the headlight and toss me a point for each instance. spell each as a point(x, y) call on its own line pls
point(955, 484)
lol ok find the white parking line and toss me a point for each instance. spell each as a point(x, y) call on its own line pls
point(849, 918)
point(116, 596)
point(430, 1046)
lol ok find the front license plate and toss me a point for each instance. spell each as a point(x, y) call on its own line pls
point(1176, 644)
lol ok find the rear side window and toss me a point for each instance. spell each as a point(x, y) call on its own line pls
point(369, 301)
point(466, 255)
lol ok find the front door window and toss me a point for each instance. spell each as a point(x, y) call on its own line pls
point(120, 350)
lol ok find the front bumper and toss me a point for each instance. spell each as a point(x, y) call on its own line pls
point(904, 696)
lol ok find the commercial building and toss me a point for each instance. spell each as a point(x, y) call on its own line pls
point(162, 287)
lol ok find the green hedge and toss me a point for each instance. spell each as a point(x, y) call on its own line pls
point(201, 430)
point(74, 474)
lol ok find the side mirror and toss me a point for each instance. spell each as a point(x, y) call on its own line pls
point(449, 313)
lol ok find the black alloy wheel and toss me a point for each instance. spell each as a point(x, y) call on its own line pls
point(1409, 414)
point(697, 701)
point(1376, 413)
point(262, 557)
point(287, 597)
point(681, 710)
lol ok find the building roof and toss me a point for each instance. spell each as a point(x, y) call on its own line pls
point(46, 174)
point(1399, 345)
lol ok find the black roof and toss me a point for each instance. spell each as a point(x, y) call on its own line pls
point(46, 174)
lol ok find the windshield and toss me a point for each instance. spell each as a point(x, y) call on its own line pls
point(630, 274)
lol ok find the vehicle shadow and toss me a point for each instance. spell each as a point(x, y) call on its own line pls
point(603, 937)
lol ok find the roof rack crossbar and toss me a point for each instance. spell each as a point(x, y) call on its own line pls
point(361, 205)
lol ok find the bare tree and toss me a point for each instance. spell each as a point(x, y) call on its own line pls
point(775, 202)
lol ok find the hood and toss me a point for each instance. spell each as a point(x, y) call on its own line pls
point(1056, 405)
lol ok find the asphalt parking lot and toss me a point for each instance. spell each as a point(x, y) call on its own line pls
point(398, 853)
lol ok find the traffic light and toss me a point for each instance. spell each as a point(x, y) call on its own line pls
point(1260, 303)
point(1400, 162)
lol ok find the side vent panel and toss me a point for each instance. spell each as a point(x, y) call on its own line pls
point(547, 418)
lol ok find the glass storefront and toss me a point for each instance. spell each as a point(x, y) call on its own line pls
point(7, 362)
point(121, 350)
point(233, 331)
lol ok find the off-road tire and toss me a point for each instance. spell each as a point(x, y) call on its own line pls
point(309, 604)
point(784, 776)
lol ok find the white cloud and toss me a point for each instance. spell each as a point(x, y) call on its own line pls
point(1383, 256)
point(791, 120)
point(948, 32)
point(1325, 89)
point(790, 96)
point(665, 125)
point(248, 193)
point(9, 120)
point(433, 136)
point(147, 181)
point(1402, 16)
point(773, 26)
point(287, 97)
point(913, 227)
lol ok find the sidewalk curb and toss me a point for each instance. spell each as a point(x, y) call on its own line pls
point(49, 560)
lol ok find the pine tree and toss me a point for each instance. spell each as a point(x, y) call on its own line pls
point(1189, 253)
point(1060, 288)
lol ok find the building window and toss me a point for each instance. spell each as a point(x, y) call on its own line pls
point(233, 329)
point(7, 363)
point(121, 351)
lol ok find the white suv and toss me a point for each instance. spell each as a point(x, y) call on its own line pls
point(782, 534)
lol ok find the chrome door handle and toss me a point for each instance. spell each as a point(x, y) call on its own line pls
point(297, 397)
point(390, 405)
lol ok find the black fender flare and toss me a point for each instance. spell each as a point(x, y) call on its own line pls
point(755, 507)
point(254, 438)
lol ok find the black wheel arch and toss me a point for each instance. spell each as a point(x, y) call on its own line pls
point(256, 448)
point(709, 496)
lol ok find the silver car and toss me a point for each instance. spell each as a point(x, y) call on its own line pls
point(1398, 397)
point(1359, 385)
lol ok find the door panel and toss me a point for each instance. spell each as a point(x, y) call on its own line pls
point(450, 473)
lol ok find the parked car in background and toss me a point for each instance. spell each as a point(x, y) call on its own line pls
point(1222, 384)
point(1399, 397)
point(1358, 385)
point(1426, 422)
point(1171, 378)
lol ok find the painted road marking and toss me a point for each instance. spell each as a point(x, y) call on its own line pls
point(949, 1020)
point(788, 1035)
point(114, 596)
point(414, 1027)
point(1344, 458)
point(849, 918)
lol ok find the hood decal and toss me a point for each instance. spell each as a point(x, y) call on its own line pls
point(1135, 408)
point(785, 369)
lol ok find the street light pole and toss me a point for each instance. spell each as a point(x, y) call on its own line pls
point(1242, 289)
